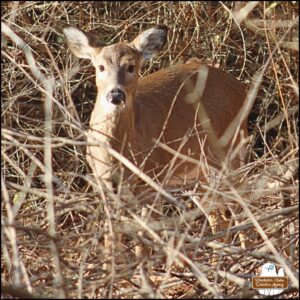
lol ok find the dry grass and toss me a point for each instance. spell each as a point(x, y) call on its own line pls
point(52, 221)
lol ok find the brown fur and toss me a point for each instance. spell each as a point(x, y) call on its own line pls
point(146, 116)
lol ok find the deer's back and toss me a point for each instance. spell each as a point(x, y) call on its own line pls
point(160, 92)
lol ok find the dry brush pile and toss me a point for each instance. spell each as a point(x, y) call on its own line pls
point(51, 218)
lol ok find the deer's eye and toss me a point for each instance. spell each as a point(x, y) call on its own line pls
point(101, 68)
point(131, 68)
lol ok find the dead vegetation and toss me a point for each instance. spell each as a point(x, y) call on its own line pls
point(52, 221)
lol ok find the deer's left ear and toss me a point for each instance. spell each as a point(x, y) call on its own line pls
point(151, 41)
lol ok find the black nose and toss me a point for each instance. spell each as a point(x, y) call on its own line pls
point(116, 96)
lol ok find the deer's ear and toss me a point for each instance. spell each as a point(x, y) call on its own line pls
point(82, 44)
point(151, 41)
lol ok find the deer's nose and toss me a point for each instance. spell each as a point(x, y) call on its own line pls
point(116, 96)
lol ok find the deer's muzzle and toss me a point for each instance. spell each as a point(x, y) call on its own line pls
point(116, 96)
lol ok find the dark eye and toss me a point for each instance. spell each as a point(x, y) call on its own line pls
point(130, 69)
point(101, 68)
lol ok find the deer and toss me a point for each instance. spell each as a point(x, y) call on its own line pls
point(167, 120)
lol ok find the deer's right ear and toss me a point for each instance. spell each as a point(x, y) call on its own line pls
point(82, 44)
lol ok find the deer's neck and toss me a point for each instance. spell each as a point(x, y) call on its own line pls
point(113, 128)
